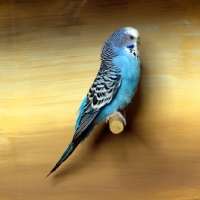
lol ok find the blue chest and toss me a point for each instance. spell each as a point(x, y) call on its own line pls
point(130, 71)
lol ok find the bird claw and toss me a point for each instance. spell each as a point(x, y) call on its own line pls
point(119, 115)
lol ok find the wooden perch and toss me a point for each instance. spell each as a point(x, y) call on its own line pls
point(116, 122)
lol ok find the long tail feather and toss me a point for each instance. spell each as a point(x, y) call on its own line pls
point(72, 146)
point(83, 130)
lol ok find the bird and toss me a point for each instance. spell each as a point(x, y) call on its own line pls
point(113, 88)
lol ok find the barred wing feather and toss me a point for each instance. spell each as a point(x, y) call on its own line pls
point(102, 91)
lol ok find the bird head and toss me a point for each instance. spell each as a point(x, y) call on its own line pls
point(130, 40)
point(126, 38)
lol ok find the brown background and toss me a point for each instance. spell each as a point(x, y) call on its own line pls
point(49, 56)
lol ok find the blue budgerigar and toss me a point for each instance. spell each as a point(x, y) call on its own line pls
point(113, 88)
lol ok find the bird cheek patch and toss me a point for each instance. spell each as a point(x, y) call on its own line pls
point(130, 47)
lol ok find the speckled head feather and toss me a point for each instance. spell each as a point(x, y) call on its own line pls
point(126, 37)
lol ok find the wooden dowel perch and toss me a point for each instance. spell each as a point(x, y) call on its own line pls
point(116, 122)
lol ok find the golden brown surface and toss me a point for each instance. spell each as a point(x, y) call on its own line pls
point(49, 58)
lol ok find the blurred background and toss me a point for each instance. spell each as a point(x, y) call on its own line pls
point(50, 54)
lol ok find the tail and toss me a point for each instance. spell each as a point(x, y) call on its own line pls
point(72, 146)
point(77, 139)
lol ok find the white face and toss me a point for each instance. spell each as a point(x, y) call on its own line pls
point(133, 48)
point(133, 32)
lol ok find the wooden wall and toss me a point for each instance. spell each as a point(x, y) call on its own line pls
point(49, 58)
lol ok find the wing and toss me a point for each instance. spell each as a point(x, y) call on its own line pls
point(102, 91)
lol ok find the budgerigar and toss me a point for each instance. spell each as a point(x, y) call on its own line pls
point(113, 88)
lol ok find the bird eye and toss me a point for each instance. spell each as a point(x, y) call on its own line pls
point(131, 37)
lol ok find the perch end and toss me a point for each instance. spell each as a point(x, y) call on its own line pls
point(116, 122)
